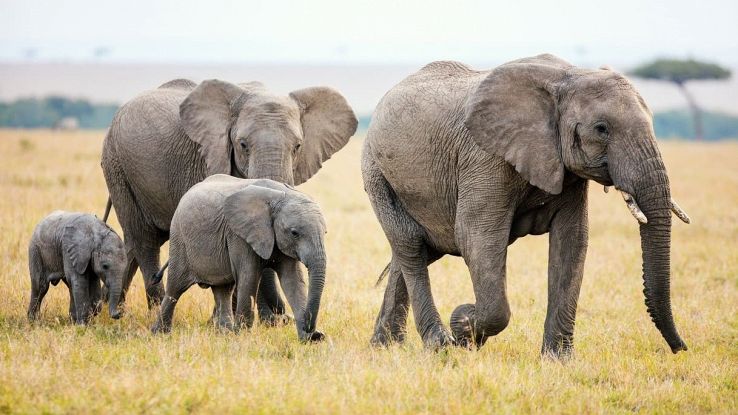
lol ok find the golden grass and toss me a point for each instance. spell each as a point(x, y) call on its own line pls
point(621, 365)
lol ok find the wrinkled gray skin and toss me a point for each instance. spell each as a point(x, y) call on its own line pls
point(164, 141)
point(464, 162)
point(80, 250)
point(226, 230)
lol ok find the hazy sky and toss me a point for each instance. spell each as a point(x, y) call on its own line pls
point(344, 31)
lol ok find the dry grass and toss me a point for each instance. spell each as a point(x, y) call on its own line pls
point(621, 365)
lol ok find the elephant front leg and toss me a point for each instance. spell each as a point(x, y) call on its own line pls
point(81, 296)
point(247, 273)
point(484, 249)
point(567, 251)
point(96, 296)
point(223, 313)
point(271, 307)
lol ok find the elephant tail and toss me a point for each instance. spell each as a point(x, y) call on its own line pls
point(107, 210)
point(383, 274)
point(159, 274)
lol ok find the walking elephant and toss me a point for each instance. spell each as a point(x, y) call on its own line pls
point(464, 162)
point(81, 251)
point(166, 140)
point(226, 230)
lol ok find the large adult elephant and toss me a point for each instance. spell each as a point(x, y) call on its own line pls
point(464, 162)
point(166, 140)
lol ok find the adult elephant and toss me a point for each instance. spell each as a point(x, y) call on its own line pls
point(464, 162)
point(166, 140)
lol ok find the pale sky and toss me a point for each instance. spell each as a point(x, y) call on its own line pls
point(356, 32)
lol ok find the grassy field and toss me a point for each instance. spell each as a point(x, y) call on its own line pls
point(621, 364)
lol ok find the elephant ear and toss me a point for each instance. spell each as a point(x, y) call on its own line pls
point(248, 214)
point(512, 114)
point(207, 115)
point(327, 124)
point(77, 243)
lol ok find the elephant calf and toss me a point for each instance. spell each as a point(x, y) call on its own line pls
point(81, 250)
point(223, 234)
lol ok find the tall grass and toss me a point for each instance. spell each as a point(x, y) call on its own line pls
point(621, 363)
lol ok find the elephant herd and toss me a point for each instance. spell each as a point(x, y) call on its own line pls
point(455, 161)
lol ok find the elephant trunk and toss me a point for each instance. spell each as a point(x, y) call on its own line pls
point(650, 202)
point(270, 162)
point(316, 277)
point(115, 293)
point(656, 243)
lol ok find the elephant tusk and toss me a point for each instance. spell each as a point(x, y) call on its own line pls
point(679, 212)
point(606, 188)
point(633, 207)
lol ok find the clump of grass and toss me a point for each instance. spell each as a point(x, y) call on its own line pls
point(621, 364)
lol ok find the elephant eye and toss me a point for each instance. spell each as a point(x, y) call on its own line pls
point(294, 233)
point(105, 267)
point(297, 146)
point(243, 144)
point(601, 129)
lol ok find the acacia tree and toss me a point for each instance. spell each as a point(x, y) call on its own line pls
point(679, 72)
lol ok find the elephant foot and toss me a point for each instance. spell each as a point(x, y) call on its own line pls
point(276, 320)
point(462, 327)
point(384, 336)
point(438, 337)
point(313, 337)
point(154, 294)
point(226, 326)
point(558, 348)
point(159, 327)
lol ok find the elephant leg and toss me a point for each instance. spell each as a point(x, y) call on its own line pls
point(567, 250)
point(147, 256)
point(407, 239)
point(179, 280)
point(39, 282)
point(484, 249)
point(95, 295)
point(223, 314)
point(391, 322)
point(72, 310)
point(128, 273)
point(271, 307)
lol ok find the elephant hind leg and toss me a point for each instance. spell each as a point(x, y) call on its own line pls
point(411, 255)
point(39, 282)
point(391, 322)
point(178, 281)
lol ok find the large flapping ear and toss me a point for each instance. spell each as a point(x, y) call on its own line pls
point(248, 214)
point(207, 115)
point(327, 124)
point(512, 114)
point(78, 243)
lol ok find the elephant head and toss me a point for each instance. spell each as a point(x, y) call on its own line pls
point(265, 217)
point(100, 247)
point(245, 131)
point(545, 116)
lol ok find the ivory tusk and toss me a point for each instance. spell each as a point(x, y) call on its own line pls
point(679, 212)
point(633, 207)
point(606, 189)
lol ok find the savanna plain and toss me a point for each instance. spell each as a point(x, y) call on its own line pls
point(621, 363)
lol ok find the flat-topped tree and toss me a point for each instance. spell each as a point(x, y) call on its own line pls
point(679, 72)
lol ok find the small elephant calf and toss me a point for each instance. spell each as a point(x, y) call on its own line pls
point(81, 250)
point(223, 234)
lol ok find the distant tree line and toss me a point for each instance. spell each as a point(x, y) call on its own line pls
point(48, 112)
